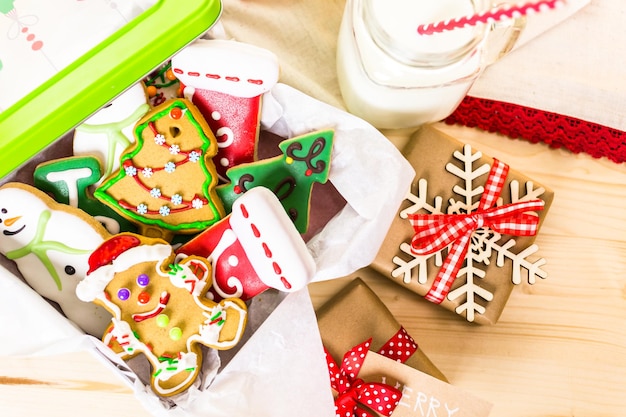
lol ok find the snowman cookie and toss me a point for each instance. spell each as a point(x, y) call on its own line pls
point(51, 244)
point(226, 80)
point(109, 131)
point(159, 307)
point(256, 247)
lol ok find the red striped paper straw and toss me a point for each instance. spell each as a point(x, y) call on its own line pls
point(507, 11)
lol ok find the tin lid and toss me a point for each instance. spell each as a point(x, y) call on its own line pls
point(112, 66)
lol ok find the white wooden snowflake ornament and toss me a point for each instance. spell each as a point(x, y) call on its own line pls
point(487, 248)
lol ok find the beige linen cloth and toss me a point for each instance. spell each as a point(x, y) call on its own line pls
point(554, 68)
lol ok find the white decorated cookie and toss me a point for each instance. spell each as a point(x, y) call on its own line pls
point(255, 248)
point(226, 80)
point(109, 131)
point(51, 244)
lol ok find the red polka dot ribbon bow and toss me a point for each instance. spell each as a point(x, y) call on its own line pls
point(434, 232)
point(400, 347)
point(357, 398)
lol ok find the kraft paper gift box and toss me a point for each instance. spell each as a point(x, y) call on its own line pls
point(356, 314)
point(451, 179)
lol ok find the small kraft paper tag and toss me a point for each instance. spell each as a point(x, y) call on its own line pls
point(422, 395)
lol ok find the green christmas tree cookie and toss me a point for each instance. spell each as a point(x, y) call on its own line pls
point(305, 160)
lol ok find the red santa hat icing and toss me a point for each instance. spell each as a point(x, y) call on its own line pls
point(227, 66)
point(114, 255)
point(255, 248)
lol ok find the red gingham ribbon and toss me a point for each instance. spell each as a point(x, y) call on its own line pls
point(434, 232)
point(357, 398)
point(400, 347)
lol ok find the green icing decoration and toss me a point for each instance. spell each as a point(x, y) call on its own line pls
point(304, 161)
point(68, 181)
point(6, 6)
point(114, 134)
point(40, 248)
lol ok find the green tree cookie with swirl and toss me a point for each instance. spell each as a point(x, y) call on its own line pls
point(305, 160)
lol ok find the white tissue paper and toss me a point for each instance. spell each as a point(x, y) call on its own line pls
point(279, 369)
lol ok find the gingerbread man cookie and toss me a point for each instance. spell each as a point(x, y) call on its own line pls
point(159, 307)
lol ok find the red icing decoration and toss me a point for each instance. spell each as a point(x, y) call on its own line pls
point(163, 300)
point(244, 211)
point(143, 297)
point(286, 283)
point(176, 113)
point(109, 250)
point(533, 125)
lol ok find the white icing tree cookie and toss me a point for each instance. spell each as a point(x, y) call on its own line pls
point(51, 244)
point(109, 131)
point(226, 80)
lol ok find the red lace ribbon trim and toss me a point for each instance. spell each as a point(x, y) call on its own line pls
point(556, 130)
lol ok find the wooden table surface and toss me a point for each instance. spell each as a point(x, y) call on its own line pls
point(559, 348)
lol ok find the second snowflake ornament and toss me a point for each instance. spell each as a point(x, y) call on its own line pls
point(464, 236)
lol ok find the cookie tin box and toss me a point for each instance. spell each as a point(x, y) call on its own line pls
point(83, 86)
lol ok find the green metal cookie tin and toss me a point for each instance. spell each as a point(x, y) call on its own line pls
point(124, 58)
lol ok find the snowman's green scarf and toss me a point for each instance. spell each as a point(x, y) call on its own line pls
point(40, 247)
point(114, 134)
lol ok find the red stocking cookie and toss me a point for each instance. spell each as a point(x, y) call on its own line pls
point(226, 80)
point(159, 307)
point(254, 248)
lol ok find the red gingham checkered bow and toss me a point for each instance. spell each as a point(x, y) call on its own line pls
point(356, 397)
point(434, 232)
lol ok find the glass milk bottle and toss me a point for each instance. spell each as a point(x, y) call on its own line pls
point(393, 77)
